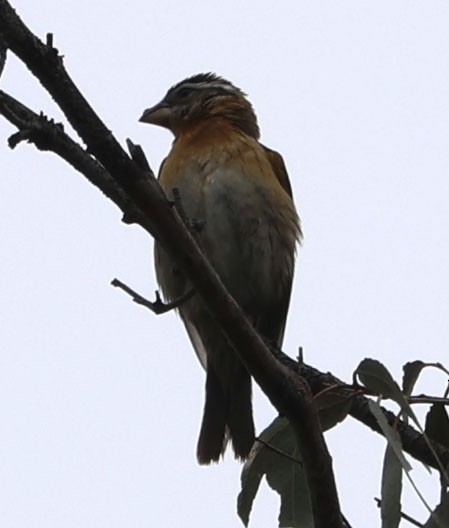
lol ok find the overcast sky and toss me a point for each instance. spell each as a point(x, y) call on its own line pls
point(101, 401)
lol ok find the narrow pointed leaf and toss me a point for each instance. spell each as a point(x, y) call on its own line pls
point(412, 370)
point(375, 376)
point(390, 434)
point(390, 509)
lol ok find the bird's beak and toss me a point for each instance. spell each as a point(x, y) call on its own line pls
point(157, 115)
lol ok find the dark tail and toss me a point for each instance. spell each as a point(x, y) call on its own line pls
point(227, 416)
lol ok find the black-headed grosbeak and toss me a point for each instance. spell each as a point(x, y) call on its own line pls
point(239, 193)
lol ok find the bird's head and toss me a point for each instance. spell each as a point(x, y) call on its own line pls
point(202, 97)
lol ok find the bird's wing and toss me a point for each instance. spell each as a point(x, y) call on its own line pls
point(197, 342)
point(272, 322)
point(161, 167)
point(279, 168)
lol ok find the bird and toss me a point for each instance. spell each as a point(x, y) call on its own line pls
point(238, 194)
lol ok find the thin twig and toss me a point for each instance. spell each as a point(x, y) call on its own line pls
point(50, 136)
point(138, 155)
point(158, 306)
point(427, 399)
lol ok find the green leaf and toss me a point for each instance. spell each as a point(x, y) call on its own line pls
point(437, 424)
point(390, 434)
point(252, 473)
point(440, 516)
point(284, 474)
point(390, 509)
point(289, 481)
point(412, 370)
point(333, 407)
point(376, 378)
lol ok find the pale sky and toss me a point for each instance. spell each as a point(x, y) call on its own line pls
point(101, 401)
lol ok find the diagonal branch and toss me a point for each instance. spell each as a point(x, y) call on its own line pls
point(49, 136)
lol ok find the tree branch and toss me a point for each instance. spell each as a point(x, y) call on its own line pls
point(158, 307)
point(49, 136)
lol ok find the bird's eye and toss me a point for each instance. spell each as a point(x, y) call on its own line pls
point(184, 92)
